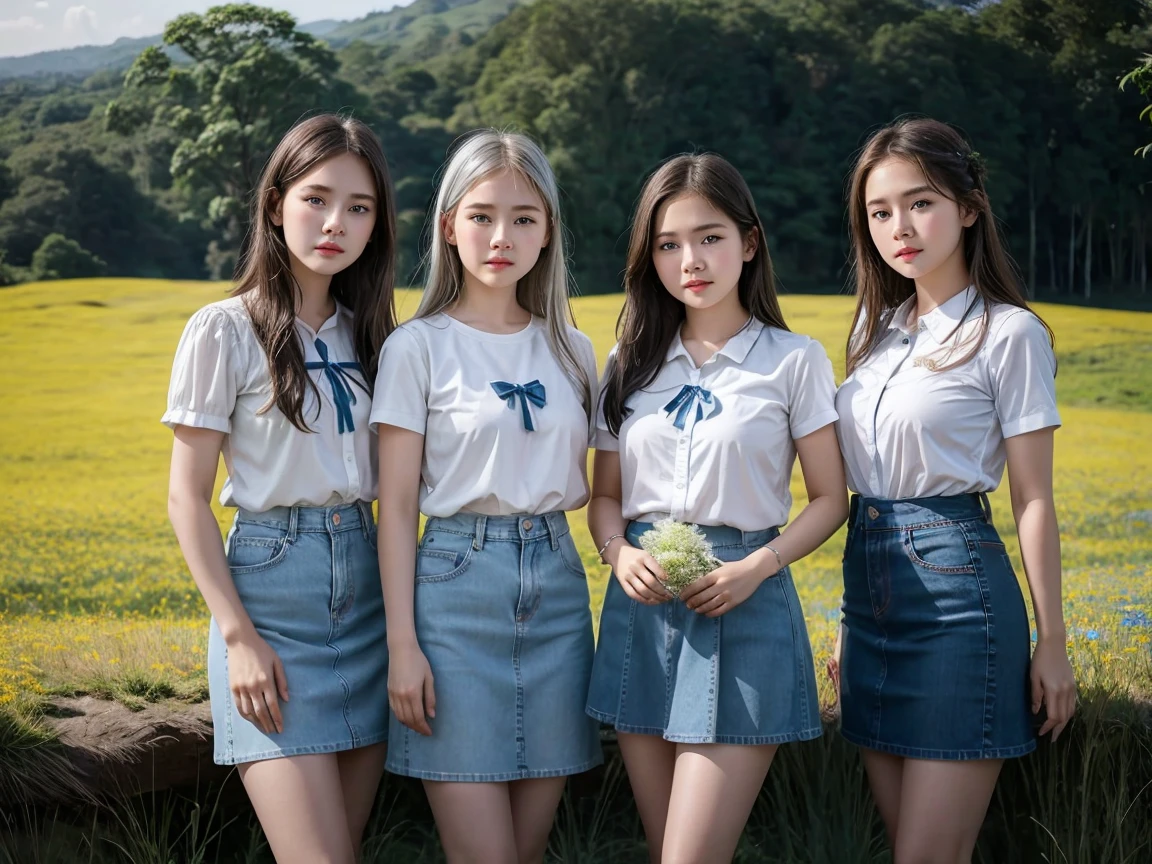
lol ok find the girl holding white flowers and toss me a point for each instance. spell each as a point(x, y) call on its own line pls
point(483, 420)
point(706, 401)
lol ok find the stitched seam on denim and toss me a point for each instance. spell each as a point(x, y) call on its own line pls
point(944, 755)
point(989, 639)
point(938, 524)
point(301, 750)
point(245, 569)
point(959, 570)
point(623, 692)
point(333, 623)
point(797, 639)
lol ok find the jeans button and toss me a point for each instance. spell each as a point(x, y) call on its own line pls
point(527, 525)
point(873, 512)
point(335, 518)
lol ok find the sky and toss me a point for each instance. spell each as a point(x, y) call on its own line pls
point(29, 26)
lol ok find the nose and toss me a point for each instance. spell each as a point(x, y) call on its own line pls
point(690, 261)
point(333, 225)
point(500, 239)
point(901, 226)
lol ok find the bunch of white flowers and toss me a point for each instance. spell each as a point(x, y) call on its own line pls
point(682, 550)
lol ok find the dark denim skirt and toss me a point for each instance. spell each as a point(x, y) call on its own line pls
point(936, 646)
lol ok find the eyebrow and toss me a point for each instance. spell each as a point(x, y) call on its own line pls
point(915, 190)
point(360, 196)
point(711, 226)
point(518, 207)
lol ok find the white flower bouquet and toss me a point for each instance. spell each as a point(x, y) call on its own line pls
point(682, 550)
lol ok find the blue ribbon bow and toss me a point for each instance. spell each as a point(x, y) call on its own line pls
point(532, 392)
point(342, 393)
point(689, 394)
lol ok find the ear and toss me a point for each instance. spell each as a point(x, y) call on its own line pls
point(751, 244)
point(448, 228)
point(548, 234)
point(276, 208)
point(968, 217)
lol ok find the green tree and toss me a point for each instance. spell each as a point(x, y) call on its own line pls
point(61, 258)
point(1141, 77)
point(252, 75)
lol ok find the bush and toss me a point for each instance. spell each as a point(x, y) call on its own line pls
point(61, 258)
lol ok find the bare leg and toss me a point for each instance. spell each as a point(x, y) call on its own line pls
point(713, 792)
point(360, 773)
point(942, 806)
point(300, 804)
point(885, 773)
point(534, 805)
point(474, 821)
point(650, 762)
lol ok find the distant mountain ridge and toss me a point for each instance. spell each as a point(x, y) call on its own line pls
point(420, 19)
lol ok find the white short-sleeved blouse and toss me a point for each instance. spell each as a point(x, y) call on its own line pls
point(473, 396)
point(722, 453)
point(220, 380)
point(909, 430)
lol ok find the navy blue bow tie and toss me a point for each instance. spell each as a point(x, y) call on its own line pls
point(342, 393)
point(532, 392)
point(688, 396)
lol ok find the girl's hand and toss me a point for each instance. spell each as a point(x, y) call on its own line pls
point(1053, 685)
point(256, 677)
point(410, 691)
point(724, 588)
point(640, 576)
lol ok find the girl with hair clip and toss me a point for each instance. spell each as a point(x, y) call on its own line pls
point(949, 375)
point(484, 428)
point(707, 400)
point(279, 378)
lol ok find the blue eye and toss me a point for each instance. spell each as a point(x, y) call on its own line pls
point(666, 247)
point(916, 205)
point(710, 239)
point(880, 214)
point(358, 208)
point(312, 199)
point(476, 217)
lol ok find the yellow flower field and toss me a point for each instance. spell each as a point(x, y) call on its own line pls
point(94, 594)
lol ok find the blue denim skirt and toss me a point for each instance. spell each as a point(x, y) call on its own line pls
point(936, 646)
point(310, 581)
point(746, 677)
point(501, 613)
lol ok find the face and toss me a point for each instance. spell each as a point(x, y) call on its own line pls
point(328, 214)
point(699, 252)
point(915, 229)
point(499, 228)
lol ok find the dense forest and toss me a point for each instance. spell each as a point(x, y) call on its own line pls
point(146, 171)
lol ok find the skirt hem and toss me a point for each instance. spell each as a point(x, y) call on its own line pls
point(495, 776)
point(302, 750)
point(936, 754)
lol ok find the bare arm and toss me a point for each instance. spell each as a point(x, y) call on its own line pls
point(731, 584)
point(1030, 459)
point(256, 676)
point(637, 571)
point(410, 683)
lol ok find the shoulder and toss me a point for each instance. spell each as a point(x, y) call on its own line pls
point(1011, 324)
point(795, 346)
point(580, 340)
point(229, 313)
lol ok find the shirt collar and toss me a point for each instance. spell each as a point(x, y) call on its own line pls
point(944, 319)
point(334, 320)
point(735, 349)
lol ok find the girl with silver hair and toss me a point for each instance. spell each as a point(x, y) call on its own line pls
point(483, 421)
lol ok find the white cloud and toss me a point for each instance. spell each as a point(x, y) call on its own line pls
point(25, 22)
point(40, 4)
point(80, 23)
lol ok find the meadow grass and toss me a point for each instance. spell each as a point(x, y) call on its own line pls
point(95, 597)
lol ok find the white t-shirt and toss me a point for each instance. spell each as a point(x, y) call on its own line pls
point(436, 377)
point(220, 380)
point(907, 431)
point(731, 463)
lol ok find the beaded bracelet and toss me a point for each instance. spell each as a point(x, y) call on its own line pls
point(600, 554)
point(779, 560)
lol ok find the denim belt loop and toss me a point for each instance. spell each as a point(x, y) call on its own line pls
point(478, 537)
point(293, 523)
point(554, 523)
point(986, 507)
point(366, 522)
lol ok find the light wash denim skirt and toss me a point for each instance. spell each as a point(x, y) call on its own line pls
point(936, 646)
point(501, 613)
point(310, 581)
point(746, 677)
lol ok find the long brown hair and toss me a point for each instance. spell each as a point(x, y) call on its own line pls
point(954, 170)
point(651, 316)
point(264, 272)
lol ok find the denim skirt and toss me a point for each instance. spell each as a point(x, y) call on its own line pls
point(936, 646)
point(309, 580)
point(501, 613)
point(746, 677)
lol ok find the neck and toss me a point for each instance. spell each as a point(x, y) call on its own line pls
point(942, 284)
point(314, 303)
point(716, 324)
point(487, 306)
